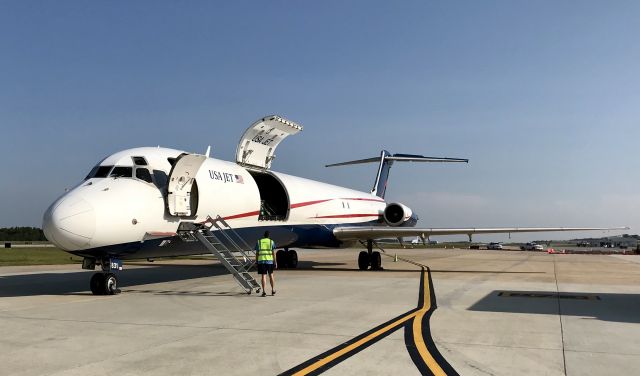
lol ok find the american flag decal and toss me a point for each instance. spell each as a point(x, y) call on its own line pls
point(239, 179)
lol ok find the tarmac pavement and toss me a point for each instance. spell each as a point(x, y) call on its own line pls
point(498, 313)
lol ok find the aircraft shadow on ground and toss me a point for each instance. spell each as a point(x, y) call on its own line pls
point(598, 306)
point(77, 283)
point(339, 267)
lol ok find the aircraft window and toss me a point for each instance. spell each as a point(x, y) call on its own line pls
point(92, 173)
point(143, 174)
point(122, 172)
point(161, 178)
point(172, 161)
point(102, 171)
point(139, 161)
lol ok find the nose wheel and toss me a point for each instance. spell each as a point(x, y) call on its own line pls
point(104, 284)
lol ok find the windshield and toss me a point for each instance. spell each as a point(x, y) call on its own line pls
point(144, 175)
point(99, 172)
point(122, 172)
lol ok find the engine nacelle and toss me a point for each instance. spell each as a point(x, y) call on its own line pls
point(397, 214)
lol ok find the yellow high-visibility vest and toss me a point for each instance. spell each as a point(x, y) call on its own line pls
point(265, 250)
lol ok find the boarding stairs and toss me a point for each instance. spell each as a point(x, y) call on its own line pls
point(227, 246)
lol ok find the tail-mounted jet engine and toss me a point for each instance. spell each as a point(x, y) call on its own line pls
point(397, 214)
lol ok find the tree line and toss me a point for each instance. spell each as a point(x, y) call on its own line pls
point(21, 234)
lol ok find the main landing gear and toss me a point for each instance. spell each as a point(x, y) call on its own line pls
point(287, 258)
point(370, 258)
point(105, 282)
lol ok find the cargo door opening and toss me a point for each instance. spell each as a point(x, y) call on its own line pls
point(274, 200)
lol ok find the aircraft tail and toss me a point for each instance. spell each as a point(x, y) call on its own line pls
point(386, 160)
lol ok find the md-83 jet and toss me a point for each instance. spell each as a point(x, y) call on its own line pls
point(154, 202)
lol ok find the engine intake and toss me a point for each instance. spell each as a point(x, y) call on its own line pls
point(397, 214)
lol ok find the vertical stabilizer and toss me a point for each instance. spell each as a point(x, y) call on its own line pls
point(380, 185)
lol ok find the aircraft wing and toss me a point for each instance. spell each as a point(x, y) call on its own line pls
point(375, 232)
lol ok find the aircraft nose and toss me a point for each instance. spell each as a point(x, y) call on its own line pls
point(70, 223)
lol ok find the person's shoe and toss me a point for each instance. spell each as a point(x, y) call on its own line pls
point(264, 293)
point(273, 292)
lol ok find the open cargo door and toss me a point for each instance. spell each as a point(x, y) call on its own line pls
point(182, 196)
point(259, 141)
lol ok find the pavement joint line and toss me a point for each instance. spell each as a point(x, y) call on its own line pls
point(88, 299)
point(555, 274)
point(500, 346)
point(250, 329)
point(601, 352)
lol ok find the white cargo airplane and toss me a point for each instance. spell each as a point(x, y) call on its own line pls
point(132, 203)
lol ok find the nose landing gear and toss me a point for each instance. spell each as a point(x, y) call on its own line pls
point(105, 282)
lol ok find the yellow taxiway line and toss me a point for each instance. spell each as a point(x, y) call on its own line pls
point(416, 315)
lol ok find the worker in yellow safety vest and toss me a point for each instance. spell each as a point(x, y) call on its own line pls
point(266, 260)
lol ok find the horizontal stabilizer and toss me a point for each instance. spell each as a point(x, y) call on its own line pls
point(386, 160)
point(400, 158)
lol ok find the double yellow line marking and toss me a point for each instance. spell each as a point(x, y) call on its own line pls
point(418, 339)
point(353, 346)
point(332, 357)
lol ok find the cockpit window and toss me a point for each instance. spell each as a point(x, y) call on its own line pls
point(139, 161)
point(172, 161)
point(143, 174)
point(92, 173)
point(102, 171)
point(122, 172)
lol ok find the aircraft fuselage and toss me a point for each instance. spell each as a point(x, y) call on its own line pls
point(122, 208)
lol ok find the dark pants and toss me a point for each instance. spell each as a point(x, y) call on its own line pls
point(265, 268)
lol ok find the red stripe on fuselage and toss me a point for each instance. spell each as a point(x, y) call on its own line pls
point(364, 199)
point(248, 214)
point(347, 216)
point(308, 203)
point(300, 204)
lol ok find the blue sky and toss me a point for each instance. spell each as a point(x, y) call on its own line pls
point(543, 98)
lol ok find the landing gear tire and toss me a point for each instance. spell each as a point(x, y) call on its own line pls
point(376, 261)
point(363, 260)
point(110, 284)
point(281, 259)
point(96, 283)
point(292, 258)
point(104, 284)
